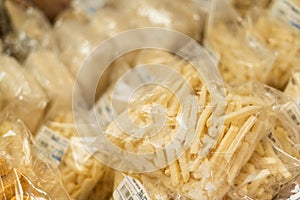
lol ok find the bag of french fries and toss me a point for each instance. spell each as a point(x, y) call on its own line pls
point(185, 17)
point(114, 101)
point(21, 92)
point(192, 171)
point(30, 30)
point(276, 159)
point(25, 170)
point(80, 170)
point(75, 40)
point(280, 37)
point(51, 74)
point(240, 56)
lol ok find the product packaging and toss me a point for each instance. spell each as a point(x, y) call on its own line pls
point(25, 170)
point(241, 57)
point(21, 92)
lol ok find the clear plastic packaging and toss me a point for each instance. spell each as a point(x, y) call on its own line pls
point(20, 91)
point(195, 173)
point(240, 56)
point(243, 6)
point(25, 171)
point(103, 189)
point(119, 88)
point(139, 186)
point(51, 74)
point(80, 171)
point(78, 33)
point(293, 87)
point(281, 38)
point(30, 30)
point(290, 190)
point(288, 11)
point(276, 159)
point(185, 17)
point(75, 42)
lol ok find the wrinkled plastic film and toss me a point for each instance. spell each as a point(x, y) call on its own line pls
point(80, 171)
point(25, 169)
point(240, 56)
point(51, 74)
point(21, 92)
point(275, 159)
point(293, 86)
point(281, 38)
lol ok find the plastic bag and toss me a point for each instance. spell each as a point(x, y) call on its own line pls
point(195, 174)
point(51, 74)
point(138, 186)
point(267, 169)
point(80, 171)
point(290, 190)
point(30, 30)
point(75, 42)
point(121, 84)
point(240, 56)
point(293, 87)
point(25, 172)
point(20, 91)
point(288, 11)
point(185, 17)
point(276, 158)
point(103, 189)
point(243, 6)
point(281, 38)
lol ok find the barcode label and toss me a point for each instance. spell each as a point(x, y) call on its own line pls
point(130, 189)
point(288, 11)
point(53, 142)
point(125, 192)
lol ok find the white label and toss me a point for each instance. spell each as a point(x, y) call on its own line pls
point(288, 11)
point(130, 189)
point(53, 142)
point(295, 197)
point(213, 54)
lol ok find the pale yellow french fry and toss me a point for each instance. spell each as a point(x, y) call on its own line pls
point(240, 136)
point(195, 147)
point(242, 113)
point(185, 172)
point(238, 161)
point(194, 165)
point(175, 173)
point(280, 166)
point(202, 96)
